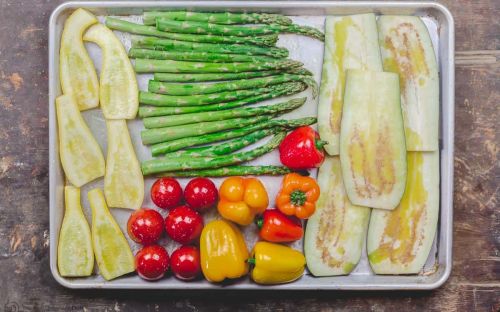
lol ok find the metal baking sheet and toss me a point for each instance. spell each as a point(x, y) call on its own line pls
point(441, 28)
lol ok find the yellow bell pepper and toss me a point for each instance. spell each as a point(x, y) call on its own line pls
point(276, 264)
point(223, 252)
point(241, 199)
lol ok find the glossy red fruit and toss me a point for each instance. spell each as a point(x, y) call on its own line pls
point(302, 149)
point(166, 193)
point(145, 226)
point(184, 224)
point(201, 194)
point(185, 262)
point(151, 262)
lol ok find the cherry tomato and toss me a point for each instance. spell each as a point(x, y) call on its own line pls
point(151, 262)
point(184, 224)
point(201, 194)
point(166, 193)
point(145, 226)
point(185, 262)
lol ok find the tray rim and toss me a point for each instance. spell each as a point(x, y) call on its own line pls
point(447, 92)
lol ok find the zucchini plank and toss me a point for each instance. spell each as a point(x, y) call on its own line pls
point(351, 42)
point(337, 230)
point(372, 140)
point(399, 241)
point(406, 49)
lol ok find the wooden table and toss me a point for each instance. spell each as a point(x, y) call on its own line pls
point(26, 283)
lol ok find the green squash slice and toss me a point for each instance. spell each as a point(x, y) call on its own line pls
point(372, 140)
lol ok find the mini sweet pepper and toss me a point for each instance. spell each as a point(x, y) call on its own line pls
point(223, 252)
point(275, 263)
point(275, 226)
point(298, 196)
point(241, 199)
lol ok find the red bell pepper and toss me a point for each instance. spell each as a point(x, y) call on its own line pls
point(302, 149)
point(275, 226)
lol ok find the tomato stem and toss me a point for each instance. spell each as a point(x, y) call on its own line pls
point(319, 144)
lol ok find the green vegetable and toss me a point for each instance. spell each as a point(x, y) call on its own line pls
point(225, 18)
point(181, 163)
point(236, 170)
point(184, 119)
point(191, 27)
point(125, 26)
point(195, 56)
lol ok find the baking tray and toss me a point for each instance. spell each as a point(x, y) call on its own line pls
point(440, 24)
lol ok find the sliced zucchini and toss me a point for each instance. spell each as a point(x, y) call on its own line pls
point(76, 70)
point(337, 230)
point(123, 181)
point(351, 42)
point(119, 94)
point(81, 156)
point(75, 256)
point(112, 252)
point(372, 140)
point(406, 49)
point(399, 241)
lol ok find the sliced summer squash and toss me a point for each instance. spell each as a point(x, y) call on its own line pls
point(337, 230)
point(75, 256)
point(81, 156)
point(112, 252)
point(123, 181)
point(119, 94)
point(372, 140)
point(351, 42)
point(76, 70)
point(406, 49)
point(399, 241)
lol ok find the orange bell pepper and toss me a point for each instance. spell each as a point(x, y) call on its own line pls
point(298, 196)
point(241, 199)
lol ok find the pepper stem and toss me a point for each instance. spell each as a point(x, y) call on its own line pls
point(259, 222)
point(298, 198)
point(251, 261)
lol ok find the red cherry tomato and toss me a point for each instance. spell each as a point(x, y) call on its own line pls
point(185, 262)
point(166, 193)
point(152, 262)
point(201, 194)
point(145, 226)
point(184, 224)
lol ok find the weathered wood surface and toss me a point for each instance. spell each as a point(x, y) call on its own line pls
point(25, 280)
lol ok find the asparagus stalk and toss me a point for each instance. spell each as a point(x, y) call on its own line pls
point(205, 88)
point(184, 119)
point(181, 163)
point(191, 27)
point(152, 136)
point(175, 145)
point(235, 170)
point(195, 56)
point(168, 66)
point(169, 44)
point(225, 18)
point(125, 26)
point(168, 77)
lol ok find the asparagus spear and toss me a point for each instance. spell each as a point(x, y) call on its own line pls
point(195, 56)
point(181, 163)
point(125, 26)
point(152, 136)
point(169, 44)
point(205, 88)
point(235, 170)
point(191, 27)
point(175, 145)
point(225, 18)
point(168, 77)
point(185, 119)
point(168, 66)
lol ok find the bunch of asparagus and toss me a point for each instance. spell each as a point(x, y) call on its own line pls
point(207, 67)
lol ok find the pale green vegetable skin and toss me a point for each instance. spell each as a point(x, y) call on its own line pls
point(225, 18)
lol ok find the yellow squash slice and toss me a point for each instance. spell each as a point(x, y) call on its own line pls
point(123, 181)
point(76, 70)
point(119, 94)
point(372, 140)
point(81, 156)
point(112, 252)
point(399, 241)
point(406, 49)
point(75, 256)
point(337, 230)
point(351, 42)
